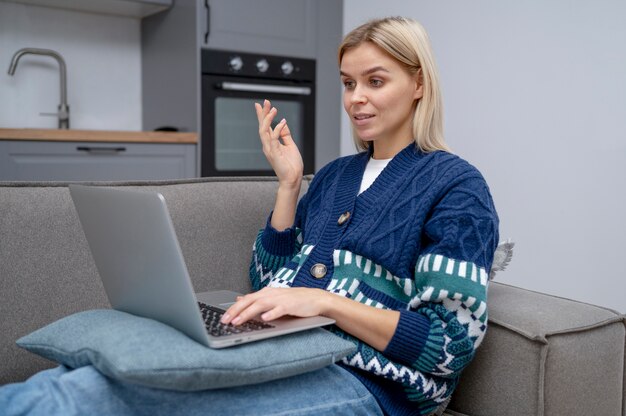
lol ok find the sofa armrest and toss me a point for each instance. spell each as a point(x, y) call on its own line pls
point(545, 355)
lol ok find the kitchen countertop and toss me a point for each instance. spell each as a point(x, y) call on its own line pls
point(98, 136)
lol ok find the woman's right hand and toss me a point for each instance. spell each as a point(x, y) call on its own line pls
point(279, 147)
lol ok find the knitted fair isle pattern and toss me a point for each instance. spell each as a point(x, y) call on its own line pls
point(450, 293)
point(265, 267)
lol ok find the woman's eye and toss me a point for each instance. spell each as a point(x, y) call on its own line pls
point(348, 84)
point(376, 83)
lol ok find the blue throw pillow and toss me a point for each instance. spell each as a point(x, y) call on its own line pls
point(146, 352)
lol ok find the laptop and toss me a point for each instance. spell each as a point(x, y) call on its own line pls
point(133, 243)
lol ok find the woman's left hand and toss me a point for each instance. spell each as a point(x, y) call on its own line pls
point(272, 303)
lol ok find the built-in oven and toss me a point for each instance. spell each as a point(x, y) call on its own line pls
point(231, 83)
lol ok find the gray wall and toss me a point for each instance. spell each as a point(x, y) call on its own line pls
point(535, 97)
point(328, 106)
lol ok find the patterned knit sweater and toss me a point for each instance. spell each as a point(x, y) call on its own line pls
point(419, 240)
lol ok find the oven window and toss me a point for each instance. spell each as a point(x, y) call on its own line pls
point(237, 143)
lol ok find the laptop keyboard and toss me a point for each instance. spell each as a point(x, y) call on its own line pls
point(212, 316)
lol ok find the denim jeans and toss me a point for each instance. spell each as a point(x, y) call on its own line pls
point(85, 391)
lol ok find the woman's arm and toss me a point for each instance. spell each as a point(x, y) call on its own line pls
point(284, 157)
point(371, 325)
point(278, 242)
point(284, 213)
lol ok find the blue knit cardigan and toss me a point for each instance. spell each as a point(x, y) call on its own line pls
point(419, 240)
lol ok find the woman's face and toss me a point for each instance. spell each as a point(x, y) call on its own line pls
point(379, 95)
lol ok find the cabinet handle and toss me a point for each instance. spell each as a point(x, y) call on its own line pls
point(97, 149)
point(208, 21)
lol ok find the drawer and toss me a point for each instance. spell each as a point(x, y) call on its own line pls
point(95, 161)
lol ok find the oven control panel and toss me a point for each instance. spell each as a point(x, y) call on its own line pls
point(243, 64)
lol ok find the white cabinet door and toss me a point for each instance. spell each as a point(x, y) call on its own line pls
point(95, 161)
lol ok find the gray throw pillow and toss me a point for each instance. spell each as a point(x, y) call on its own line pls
point(146, 352)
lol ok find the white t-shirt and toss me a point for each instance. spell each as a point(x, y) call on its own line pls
point(372, 170)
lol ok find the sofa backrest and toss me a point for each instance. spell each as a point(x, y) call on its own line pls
point(47, 272)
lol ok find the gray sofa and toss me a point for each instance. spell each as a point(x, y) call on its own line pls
point(542, 355)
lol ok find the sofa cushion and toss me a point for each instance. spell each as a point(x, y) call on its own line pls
point(545, 355)
point(146, 352)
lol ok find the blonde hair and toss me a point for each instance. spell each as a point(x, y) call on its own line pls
point(407, 42)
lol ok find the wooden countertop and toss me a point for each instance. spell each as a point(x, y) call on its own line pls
point(98, 136)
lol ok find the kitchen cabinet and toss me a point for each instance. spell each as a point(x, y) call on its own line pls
point(129, 8)
point(24, 160)
point(281, 27)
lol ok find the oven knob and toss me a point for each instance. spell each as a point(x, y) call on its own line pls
point(262, 65)
point(235, 63)
point(286, 68)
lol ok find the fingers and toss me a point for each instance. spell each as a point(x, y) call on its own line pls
point(270, 137)
point(265, 116)
point(285, 135)
point(277, 132)
point(251, 306)
point(273, 303)
point(234, 310)
point(262, 110)
point(272, 314)
point(265, 126)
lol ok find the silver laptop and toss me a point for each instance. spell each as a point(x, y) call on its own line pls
point(134, 245)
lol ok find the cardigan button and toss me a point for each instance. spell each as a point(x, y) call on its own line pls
point(343, 218)
point(318, 271)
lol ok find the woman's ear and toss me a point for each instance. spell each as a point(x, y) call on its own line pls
point(419, 85)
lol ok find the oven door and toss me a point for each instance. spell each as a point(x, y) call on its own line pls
point(230, 130)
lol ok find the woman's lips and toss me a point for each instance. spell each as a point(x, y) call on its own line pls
point(360, 119)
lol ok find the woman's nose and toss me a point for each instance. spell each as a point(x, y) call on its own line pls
point(358, 96)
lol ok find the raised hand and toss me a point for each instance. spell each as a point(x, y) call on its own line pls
point(278, 146)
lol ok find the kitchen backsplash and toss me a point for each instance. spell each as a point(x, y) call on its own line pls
point(103, 58)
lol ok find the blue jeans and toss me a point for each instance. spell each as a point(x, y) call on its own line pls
point(85, 391)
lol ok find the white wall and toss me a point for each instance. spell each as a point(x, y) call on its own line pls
point(103, 58)
point(535, 97)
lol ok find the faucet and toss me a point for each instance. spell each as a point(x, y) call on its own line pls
point(64, 110)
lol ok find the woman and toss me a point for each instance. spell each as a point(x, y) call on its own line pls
point(394, 243)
